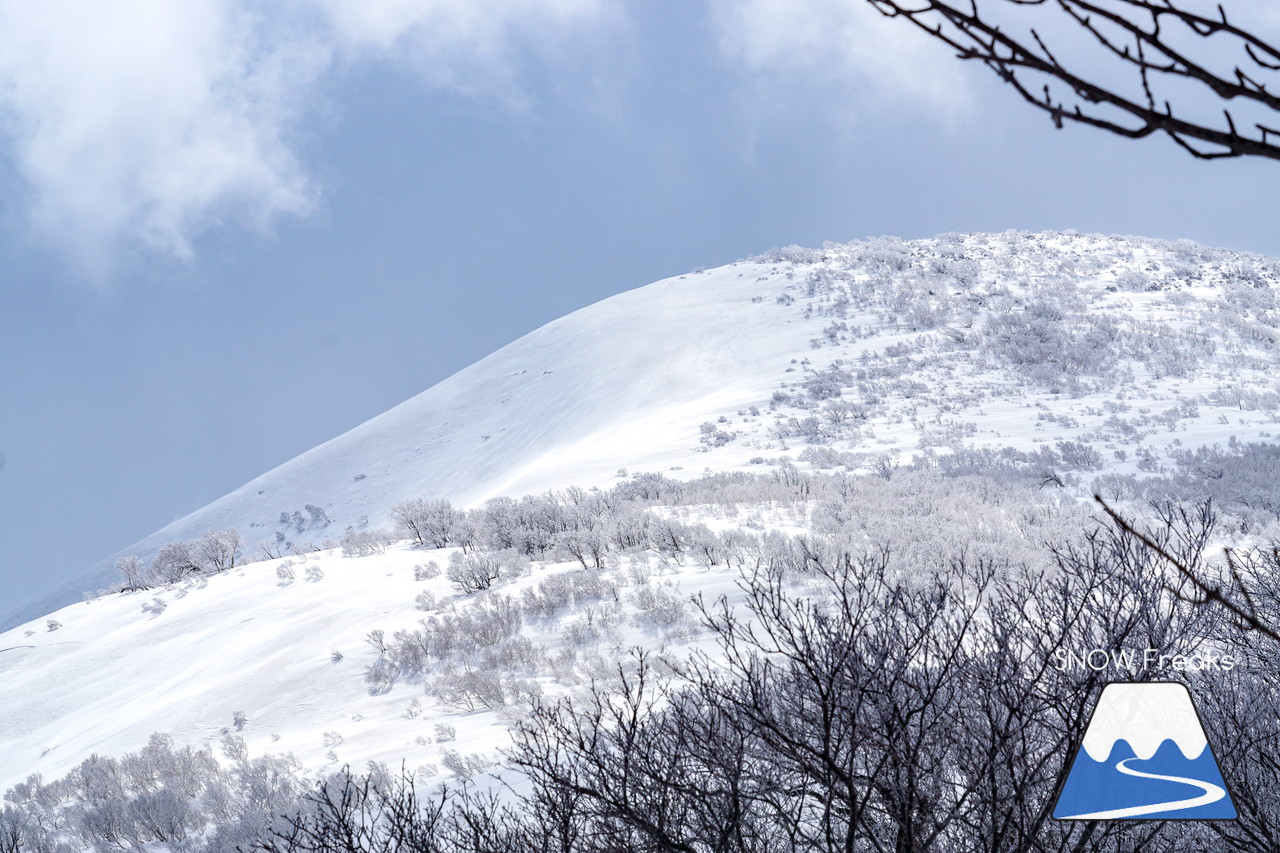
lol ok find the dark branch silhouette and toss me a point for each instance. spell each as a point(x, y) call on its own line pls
point(1207, 591)
point(1145, 39)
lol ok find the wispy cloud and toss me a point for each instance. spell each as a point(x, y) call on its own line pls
point(841, 45)
point(148, 121)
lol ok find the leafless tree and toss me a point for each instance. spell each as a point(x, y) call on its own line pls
point(1149, 66)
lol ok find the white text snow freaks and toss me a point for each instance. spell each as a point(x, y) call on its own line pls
point(1135, 660)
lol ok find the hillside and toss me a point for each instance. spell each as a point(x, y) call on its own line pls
point(878, 416)
point(861, 354)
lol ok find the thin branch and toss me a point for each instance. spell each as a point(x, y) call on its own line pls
point(1209, 593)
point(1146, 49)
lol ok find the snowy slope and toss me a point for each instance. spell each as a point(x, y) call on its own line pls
point(244, 641)
point(624, 382)
point(981, 341)
point(1113, 353)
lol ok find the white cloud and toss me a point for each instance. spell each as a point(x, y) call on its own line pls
point(844, 44)
point(472, 46)
point(150, 120)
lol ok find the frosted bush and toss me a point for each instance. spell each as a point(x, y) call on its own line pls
point(465, 767)
point(363, 543)
point(469, 690)
point(659, 606)
point(431, 523)
point(472, 573)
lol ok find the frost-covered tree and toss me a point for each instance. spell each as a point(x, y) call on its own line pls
point(132, 573)
point(431, 523)
point(473, 572)
point(173, 562)
point(217, 550)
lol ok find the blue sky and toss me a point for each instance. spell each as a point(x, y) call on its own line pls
point(228, 237)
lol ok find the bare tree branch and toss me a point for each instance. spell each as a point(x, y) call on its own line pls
point(1210, 593)
point(1144, 37)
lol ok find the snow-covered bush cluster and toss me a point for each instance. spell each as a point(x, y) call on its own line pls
point(176, 796)
point(1121, 344)
point(215, 551)
point(851, 690)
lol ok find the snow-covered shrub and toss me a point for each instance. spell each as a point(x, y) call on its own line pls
point(484, 634)
point(791, 254)
point(473, 572)
point(1133, 280)
point(498, 618)
point(596, 624)
point(820, 456)
point(1050, 346)
point(132, 574)
point(629, 531)
point(668, 536)
point(234, 747)
point(319, 518)
point(713, 436)
point(469, 690)
point(431, 523)
point(660, 606)
point(1077, 455)
point(567, 589)
point(1117, 487)
point(217, 550)
point(551, 595)
point(362, 543)
point(465, 767)
point(173, 562)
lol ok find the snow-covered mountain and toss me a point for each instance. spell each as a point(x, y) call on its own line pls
point(1065, 361)
point(867, 353)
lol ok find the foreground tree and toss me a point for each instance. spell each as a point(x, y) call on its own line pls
point(1146, 67)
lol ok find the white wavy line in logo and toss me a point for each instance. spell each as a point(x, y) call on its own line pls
point(1212, 793)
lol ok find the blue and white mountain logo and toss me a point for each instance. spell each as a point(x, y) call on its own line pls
point(1144, 756)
